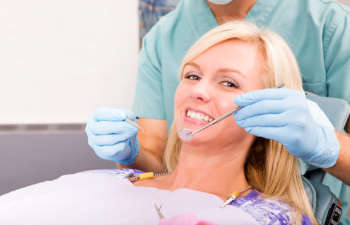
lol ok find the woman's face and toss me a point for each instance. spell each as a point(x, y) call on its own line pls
point(210, 84)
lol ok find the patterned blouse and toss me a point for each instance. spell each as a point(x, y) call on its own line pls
point(150, 11)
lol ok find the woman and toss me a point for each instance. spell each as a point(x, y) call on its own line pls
point(229, 60)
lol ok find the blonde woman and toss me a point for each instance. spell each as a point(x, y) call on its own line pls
point(223, 175)
point(229, 60)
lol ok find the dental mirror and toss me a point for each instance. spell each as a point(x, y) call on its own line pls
point(185, 134)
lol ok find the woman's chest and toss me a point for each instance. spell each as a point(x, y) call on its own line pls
point(148, 205)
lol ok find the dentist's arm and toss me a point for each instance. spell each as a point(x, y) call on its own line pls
point(111, 136)
point(152, 144)
point(341, 169)
point(337, 64)
point(282, 115)
point(148, 105)
point(114, 139)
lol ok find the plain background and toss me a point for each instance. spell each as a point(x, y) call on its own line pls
point(60, 59)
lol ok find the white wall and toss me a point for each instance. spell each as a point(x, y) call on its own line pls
point(60, 59)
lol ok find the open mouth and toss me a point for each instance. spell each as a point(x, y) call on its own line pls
point(190, 113)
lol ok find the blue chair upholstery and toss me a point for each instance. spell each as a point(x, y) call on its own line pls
point(337, 110)
point(326, 206)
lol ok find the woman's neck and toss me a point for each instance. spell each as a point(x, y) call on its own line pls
point(217, 173)
point(236, 10)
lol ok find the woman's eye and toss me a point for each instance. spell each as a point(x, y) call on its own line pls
point(192, 77)
point(229, 84)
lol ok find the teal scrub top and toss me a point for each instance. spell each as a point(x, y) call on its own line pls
point(317, 31)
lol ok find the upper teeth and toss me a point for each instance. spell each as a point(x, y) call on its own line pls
point(198, 116)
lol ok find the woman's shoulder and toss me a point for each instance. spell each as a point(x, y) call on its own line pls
point(265, 210)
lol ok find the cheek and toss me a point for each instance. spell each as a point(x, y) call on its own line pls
point(225, 102)
point(232, 132)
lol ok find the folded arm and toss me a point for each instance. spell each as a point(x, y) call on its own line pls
point(342, 167)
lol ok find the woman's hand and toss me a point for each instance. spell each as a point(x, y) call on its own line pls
point(283, 115)
point(111, 137)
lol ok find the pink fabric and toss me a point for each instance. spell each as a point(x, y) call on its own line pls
point(184, 219)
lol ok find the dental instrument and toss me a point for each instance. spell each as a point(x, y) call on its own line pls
point(187, 134)
point(147, 175)
point(234, 195)
point(158, 209)
point(150, 175)
point(134, 124)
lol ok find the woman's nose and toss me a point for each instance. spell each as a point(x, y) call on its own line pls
point(201, 91)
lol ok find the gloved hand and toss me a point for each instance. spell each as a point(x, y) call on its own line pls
point(111, 137)
point(282, 115)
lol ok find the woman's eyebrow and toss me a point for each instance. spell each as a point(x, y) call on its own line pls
point(230, 70)
point(194, 65)
point(221, 70)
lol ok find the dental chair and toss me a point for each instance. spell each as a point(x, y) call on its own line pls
point(326, 206)
point(66, 198)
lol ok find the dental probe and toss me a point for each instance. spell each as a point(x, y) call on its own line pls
point(158, 208)
point(134, 124)
point(186, 134)
point(191, 133)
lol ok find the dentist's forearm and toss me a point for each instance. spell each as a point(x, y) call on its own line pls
point(347, 127)
point(145, 161)
point(341, 169)
point(152, 145)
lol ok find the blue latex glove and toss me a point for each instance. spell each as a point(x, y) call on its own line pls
point(282, 115)
point(111, 137)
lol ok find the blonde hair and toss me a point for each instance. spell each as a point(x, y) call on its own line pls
point(269, 167)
